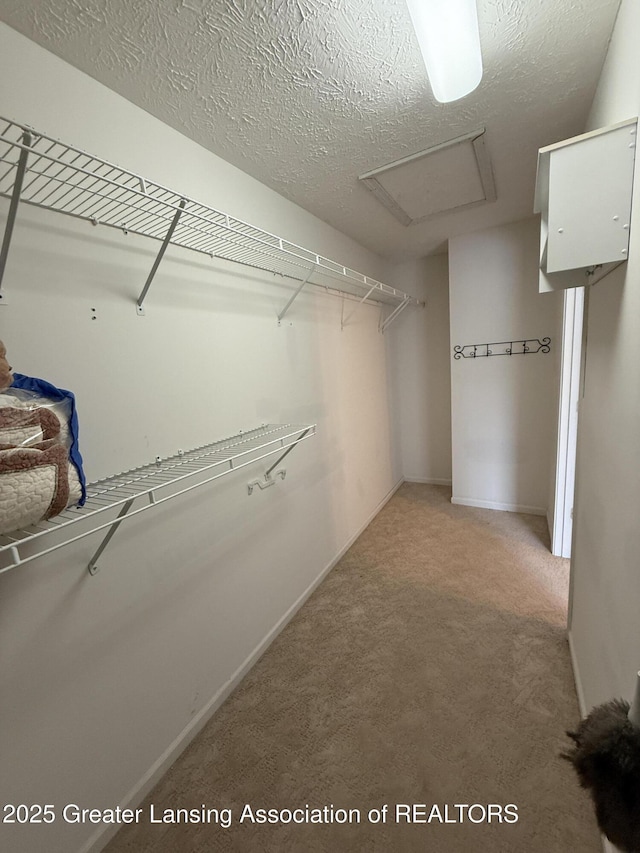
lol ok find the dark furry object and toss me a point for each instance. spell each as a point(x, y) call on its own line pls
point(606, 757)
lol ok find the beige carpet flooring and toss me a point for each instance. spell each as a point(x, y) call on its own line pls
point(430, 667)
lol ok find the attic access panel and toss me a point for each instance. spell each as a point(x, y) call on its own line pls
point(450, 176)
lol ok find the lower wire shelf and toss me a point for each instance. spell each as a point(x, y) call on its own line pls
point(141, 489)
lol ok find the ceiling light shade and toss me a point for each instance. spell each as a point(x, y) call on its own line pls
point(447, 32)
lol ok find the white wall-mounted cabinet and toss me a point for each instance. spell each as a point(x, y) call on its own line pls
point(583, 193)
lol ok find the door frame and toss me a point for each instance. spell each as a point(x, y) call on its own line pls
point(569, 397)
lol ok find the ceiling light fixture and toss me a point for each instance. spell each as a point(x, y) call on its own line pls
point(447, 32)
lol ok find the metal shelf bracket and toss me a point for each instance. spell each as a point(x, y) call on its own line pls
point(13, 206)
point(394, 314)
point(346, 319)
point(295, 295)
point(268, 480)
point(160, 255)
point(93, 562)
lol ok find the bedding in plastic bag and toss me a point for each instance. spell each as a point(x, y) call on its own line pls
point(40, 463)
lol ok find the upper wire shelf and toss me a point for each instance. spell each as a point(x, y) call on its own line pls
point(50, 174)
point(140, 489)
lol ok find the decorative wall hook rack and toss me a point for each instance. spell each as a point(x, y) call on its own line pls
point(529, 346)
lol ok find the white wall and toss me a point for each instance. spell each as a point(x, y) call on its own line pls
point(605, 628)
point(503, 407)
point(421, 374)
point(103, 678)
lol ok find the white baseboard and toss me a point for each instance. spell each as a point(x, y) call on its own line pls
point(431, 481)
point(576, 676)
point(140, 790)
point(528, 510)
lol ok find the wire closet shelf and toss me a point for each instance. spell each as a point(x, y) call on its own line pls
point(113, 499)
point(39, 170)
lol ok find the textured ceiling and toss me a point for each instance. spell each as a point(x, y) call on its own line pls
point(306, 95)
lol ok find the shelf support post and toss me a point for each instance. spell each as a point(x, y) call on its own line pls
point(291, 301)
point(268, 480)
point(360, 301)
point(160, 255)
point(287, 451)
point(394, 314)
point(13, 206)
point(93, 562)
